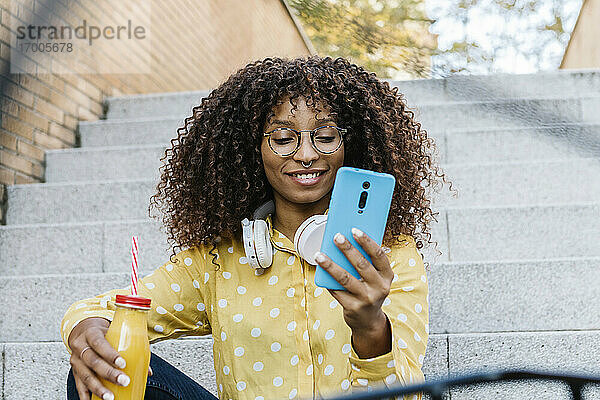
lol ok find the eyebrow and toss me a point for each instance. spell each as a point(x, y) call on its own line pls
point(288, 123)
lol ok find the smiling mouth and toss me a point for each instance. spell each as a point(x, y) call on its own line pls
point(307, 176)
point(307, 179)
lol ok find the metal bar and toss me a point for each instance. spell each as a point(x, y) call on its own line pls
point(576, 390)
point(436, 388)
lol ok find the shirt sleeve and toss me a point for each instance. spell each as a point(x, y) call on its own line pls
point(407, 309)
point(178, 294)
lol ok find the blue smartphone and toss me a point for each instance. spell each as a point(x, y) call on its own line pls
point(361, 199)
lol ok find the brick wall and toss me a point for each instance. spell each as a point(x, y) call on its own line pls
point(196, 45)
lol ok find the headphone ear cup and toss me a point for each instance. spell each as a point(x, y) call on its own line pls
point(262, 243)
point(309, 236)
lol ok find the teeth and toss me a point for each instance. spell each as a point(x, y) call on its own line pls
point(307, 176)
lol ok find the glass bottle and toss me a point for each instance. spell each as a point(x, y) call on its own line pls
point(128, 334)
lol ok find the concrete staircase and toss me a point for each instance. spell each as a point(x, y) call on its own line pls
point(516, 286)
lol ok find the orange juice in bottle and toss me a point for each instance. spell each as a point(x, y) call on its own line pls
point(128, 334)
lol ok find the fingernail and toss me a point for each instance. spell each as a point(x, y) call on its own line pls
point(108, 396)
point(319, 257)
point(120, 362)
point(357, 232)
point(150, 370)
point(123, 380)
point(339, 238)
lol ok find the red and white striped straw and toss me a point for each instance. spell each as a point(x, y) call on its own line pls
point(134, 266)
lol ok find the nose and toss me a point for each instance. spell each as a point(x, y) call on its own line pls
point(306, 152)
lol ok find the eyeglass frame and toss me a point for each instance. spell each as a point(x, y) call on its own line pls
point(341, 131)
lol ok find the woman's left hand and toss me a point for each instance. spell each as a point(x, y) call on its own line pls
point(363, 298)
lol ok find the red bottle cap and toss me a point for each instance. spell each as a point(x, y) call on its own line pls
point(139, 302)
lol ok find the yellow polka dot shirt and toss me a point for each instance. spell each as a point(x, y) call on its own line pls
point(277, 335)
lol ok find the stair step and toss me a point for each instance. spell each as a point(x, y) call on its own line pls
point(514, 287)
point(523, 182)
point(78, 202)
point(560, 83)
point(524, 232)
point(496, 114)
point(513, 144)
point(142, 161)
point(456, 88)
point(89, 247)
point(508, 234)
point(104, 163)
point(468, 296)
point(154, 104)
point(464, 297)
point(530, 112)
point(490, 184)
point(126, 132)
point(561, 352)
point(478, 183)
point(39, 370)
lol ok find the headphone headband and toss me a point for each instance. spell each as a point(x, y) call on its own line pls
point(264, 210)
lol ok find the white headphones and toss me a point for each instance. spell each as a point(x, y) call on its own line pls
point(257, 238)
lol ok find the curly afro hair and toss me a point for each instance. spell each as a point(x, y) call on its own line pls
point(214, 176)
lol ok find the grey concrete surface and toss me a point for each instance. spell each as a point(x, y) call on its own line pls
point(514, 283)
point(560, 84)
point(192, 357)
point(463, 145)
point(51, 248)
point(104, 163)
point(39, 370)
point(590, 110)
point(34, 371)
point(79, 202)
point(63, 252)
point(527, 232)
point(126, 132)
point(521, 144)
point(117, 245)
point(39, 303)
point(86, 247)
point(527, 295)
point(515, 183)
point(513, 144)
point(463, 297)
point(153, 104)
point(470, 234)
point(504, 113)
point(563, 352)
point(435, 364)
point(481, 114)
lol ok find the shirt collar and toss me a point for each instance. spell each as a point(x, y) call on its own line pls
point(278, 239)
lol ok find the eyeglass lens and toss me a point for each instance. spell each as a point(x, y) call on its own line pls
point(285, 141)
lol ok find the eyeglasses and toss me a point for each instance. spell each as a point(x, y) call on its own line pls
point(286, 141)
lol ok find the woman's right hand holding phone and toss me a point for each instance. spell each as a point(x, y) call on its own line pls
point(94, 357)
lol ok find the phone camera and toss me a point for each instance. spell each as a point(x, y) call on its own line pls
point(366, 185)
point(363, 200)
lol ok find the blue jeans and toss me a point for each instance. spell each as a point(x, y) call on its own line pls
point(166, 383)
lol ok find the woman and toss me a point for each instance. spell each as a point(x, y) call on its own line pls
point(276, 334)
